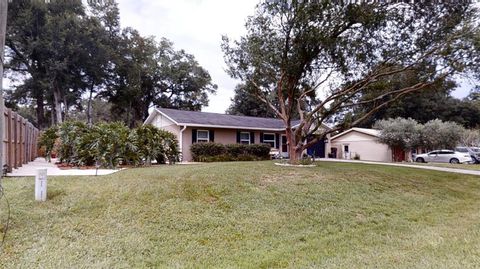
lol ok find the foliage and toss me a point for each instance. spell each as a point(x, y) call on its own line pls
point(314, 59)
point(442, 135)
point(200, 150)
point(409, 134)
point(433, 102)
point(111, 144)
point(404, 133)
point(67, 54)
point(471, 138)
point(149, 72)
point(245, 103)
point(47, 140)
point(153, 143)
point(70, 134)
point(216, 152)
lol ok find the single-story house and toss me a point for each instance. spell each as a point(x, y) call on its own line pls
point(196, 127)
point(362, 143)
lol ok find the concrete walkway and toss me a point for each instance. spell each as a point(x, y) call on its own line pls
point(443, 169)
point(30, 169)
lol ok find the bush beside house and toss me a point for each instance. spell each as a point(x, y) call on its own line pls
point(109, 144)
point(216, 152)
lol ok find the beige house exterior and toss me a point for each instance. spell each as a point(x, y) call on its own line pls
point(360, 142)
point(196, 127)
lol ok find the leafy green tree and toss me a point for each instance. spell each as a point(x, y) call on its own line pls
point(245, 103)
point(47, 139)
point(442, 135)
point(316, 57)
point(150, 73)
point(60, 50)
point(471, 138)
point(406, 134)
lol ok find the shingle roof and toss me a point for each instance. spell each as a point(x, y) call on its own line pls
point(372, 132)
point(193, 118)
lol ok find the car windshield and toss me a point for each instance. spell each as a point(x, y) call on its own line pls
point(461, 149)
point(476, 149)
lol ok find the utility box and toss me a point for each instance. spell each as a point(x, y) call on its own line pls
point(41, 185)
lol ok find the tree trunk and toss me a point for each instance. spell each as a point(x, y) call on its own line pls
point(294, 149)
point(40, 111)
point(58, 105)
point(52, 116)
point(65, 105)
point(89, 108)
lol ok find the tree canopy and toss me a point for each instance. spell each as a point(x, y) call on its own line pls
point(64, 52)
point(317, 58)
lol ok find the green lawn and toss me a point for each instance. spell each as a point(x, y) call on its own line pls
point(248, 215)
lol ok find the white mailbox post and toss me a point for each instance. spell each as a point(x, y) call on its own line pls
point(41, 185)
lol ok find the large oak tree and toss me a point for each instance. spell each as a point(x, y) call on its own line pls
point(318, 57)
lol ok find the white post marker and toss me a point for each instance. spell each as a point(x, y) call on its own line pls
point(41, 185)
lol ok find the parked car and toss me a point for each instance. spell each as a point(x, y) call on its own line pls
point(444, 156)
point(473, 151)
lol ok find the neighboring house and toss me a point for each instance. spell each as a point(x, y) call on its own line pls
point(197, 127)
point(364, 143)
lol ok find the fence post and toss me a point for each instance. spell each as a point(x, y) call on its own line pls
point(3, 30)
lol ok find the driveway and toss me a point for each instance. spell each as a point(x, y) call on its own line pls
point(443, 169)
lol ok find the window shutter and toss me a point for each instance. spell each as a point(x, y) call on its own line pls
point(211, 135)
point(238, 137)
point(277, 140)
point(252, 137)
point(194, 136)
point(261, 138)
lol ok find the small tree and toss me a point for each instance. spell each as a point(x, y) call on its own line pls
point(442, 135)
point(406, 134)
point(471, 138)
point(47, 139)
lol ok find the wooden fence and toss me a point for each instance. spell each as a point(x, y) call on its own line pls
point(19, 140)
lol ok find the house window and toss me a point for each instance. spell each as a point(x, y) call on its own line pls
point(245, 138)
point(202, 136)
point(269, 139)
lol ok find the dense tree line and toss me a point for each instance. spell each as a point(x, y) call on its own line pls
point(434, 102)
point(71, 59)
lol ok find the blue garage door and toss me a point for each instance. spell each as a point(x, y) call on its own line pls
point(318, 150)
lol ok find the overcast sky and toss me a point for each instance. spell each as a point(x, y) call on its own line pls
point(197, 27)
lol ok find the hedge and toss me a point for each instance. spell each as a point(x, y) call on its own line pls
point(216, 152)
point(109, 144)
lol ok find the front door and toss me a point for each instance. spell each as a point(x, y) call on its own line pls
point(284, 146)
point(346, 152)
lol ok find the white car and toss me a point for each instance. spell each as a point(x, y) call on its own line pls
point(444, 156)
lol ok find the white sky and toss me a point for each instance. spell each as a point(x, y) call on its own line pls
point(197, 27)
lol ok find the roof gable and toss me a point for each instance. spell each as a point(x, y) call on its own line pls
point(371, 132)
